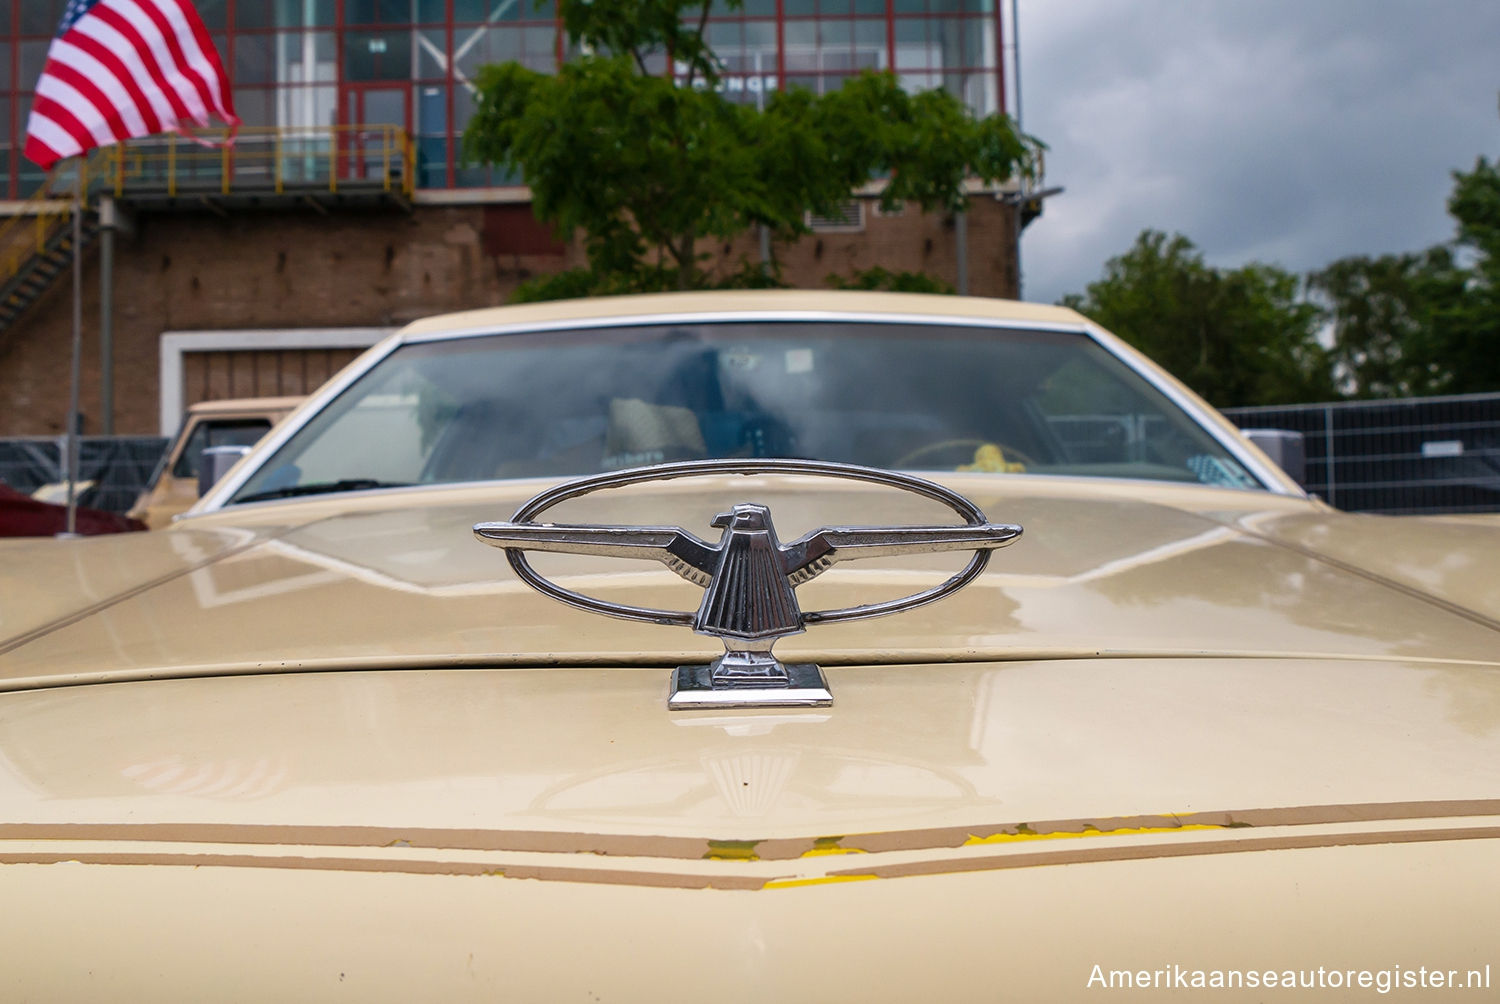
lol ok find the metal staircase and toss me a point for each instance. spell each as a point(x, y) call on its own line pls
point(319, 168)
point(35, 273)
point(36, 244)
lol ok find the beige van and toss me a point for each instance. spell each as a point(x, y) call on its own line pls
point(239, 422)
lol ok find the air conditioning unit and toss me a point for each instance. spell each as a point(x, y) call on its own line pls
point(848, 217)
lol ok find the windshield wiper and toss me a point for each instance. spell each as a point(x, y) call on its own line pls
point(322, 488)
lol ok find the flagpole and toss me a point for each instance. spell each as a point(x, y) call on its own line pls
point(72, 474)
point(52, 129)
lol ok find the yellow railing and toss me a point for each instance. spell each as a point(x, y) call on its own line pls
point(286, 160)
point(266, 159)
point(50, 208)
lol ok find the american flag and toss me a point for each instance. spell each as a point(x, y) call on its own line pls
point(125, 68)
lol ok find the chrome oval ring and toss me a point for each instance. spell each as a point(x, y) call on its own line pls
point(579, 487)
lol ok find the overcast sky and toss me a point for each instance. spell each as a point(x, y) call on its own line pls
point(1293, 132)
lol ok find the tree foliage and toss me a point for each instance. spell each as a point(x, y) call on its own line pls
point(646, 163)
point(1426, 322)
point(1466, 326)
point(1383, 318)
point(1400, 325)
point(1236, 336)
point(892, 282)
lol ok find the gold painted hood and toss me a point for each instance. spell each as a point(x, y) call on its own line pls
point(479, 793)
point(397, 580)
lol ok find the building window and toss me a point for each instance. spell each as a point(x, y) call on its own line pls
point(377, 55)
point(296, 64)
point(848, 217)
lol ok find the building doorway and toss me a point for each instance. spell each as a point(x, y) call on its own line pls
point(372, 115)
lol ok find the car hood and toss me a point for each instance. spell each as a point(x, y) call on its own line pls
point(393, 580)
point(574, 759)
point(477, 834)
point(1137, 699)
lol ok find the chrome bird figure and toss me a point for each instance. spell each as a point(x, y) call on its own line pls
point(749, 579)
point(749, 574)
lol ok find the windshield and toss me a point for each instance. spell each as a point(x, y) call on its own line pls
point(926, 397)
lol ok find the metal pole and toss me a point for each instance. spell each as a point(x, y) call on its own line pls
point(72, 474)
point(107, 211)
point(1329, 457)
point(765, 231)
point(1016, 207)
point(961, 243)
point(1015, 43)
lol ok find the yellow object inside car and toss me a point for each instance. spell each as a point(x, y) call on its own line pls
point(990, 459)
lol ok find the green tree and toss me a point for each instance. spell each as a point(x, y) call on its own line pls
point(646, 166)
point(893, 282)
point(1236, 336)
point(1426, 322)
point(1383, 315)
point(1466, 324)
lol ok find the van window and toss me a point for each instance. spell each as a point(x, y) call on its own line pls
point(217, 432)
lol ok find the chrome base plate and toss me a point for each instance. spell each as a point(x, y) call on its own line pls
point(692, 687)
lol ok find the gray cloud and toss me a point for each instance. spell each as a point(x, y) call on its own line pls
point(1286, 131)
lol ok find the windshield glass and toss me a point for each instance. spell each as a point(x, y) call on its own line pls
point(895, 395)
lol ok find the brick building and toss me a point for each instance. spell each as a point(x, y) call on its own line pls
point(345, 209)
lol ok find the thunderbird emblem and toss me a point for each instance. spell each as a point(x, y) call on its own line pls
point(749, 577)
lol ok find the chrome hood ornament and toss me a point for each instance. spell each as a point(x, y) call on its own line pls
point(749, 577)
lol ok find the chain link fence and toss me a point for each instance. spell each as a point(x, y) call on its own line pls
point(1412, 456)
point(120, 467)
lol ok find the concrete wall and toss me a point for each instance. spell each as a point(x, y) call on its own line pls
point(355, 268)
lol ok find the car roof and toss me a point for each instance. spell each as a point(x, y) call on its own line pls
point(245, 404)
point(750, 301)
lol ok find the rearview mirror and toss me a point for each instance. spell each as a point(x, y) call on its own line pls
point(1286, 447)
point(214, 463)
